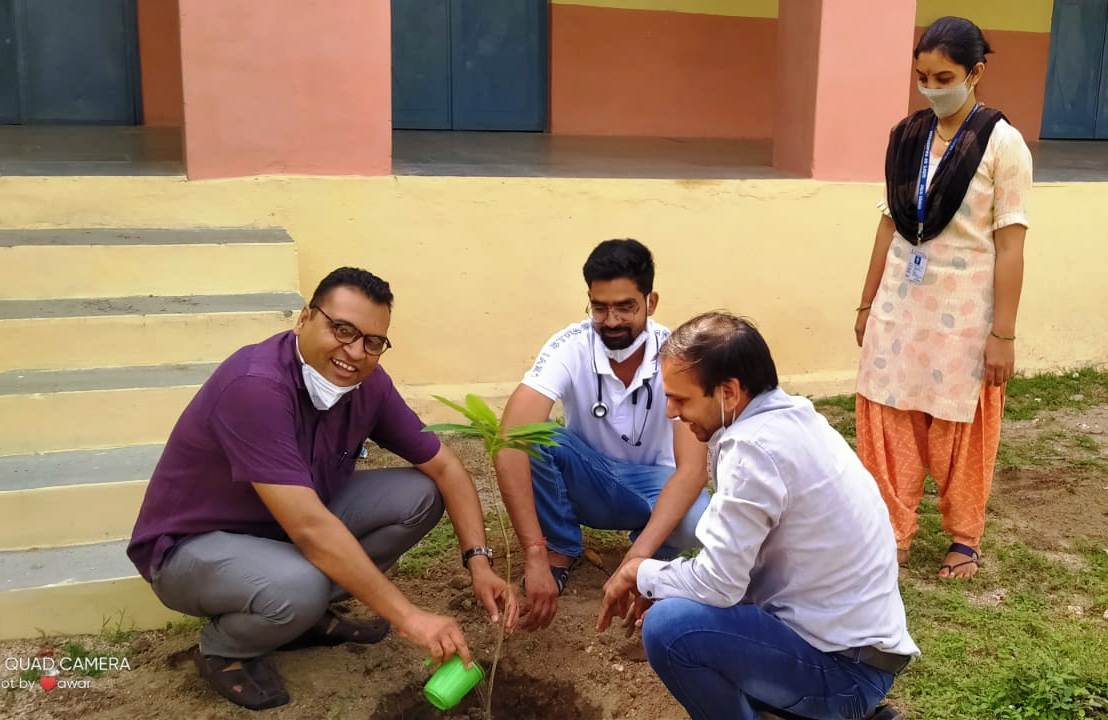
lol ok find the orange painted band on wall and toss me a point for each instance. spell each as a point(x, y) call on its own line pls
point(286, 87)
point(159, 28)
point(646, 73)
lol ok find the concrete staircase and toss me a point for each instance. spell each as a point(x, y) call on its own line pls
point(107, 334)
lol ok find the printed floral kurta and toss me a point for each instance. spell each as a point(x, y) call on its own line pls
point(924, 347)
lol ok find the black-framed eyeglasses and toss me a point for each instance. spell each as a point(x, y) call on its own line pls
point(622, 310)
point(346, 334)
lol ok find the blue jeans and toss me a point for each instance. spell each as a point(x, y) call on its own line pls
point(575, 485)
point(734, 662)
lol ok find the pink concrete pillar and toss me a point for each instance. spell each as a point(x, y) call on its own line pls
point(286, 87)
point(841, 67)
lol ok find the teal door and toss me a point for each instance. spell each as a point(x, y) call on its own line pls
point(69, 61)
point(1076, 103)
point(469, 64)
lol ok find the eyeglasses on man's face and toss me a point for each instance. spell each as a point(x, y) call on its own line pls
point(346, 334)
point(624, 310)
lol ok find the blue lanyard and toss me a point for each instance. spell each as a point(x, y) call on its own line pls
point(925, 168)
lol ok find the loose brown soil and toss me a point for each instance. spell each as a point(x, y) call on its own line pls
point(564, 672)
point(1055, 503)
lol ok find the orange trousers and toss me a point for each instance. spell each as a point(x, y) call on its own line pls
point(900, 447)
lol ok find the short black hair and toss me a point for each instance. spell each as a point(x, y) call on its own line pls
point(957, 38)
point(720, 346)
point(370, 285)
point(626, 258)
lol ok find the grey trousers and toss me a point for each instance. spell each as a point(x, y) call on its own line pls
point(259, 593)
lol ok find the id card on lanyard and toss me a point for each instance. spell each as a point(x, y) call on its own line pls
point(917, 259)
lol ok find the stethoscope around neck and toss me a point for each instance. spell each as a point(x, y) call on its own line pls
point(599, 409)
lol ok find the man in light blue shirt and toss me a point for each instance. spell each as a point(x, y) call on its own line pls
point(793, 605)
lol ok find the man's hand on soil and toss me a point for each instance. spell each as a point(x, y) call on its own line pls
point(632, 619)
point(542, 596)
point(439, 634)
point(495, 594)
point(621, 596)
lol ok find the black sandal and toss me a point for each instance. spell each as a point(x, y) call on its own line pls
point(971, 553)
point(332, 630)
point(256, 685)
point(884, 712)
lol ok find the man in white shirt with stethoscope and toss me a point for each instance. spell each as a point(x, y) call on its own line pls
point(620, 464)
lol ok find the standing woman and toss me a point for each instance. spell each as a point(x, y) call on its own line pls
point(937, 318)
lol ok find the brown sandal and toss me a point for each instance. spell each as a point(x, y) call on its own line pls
point(332, 630)
point(255, 685)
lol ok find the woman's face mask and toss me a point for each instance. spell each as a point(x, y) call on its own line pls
point(946, 101)
point(952, 95)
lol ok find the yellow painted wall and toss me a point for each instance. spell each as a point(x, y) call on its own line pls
point(485, 269)
point(733, 8)
point(1021, 15)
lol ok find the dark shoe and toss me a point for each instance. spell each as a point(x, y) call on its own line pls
point(332, 630)
point(255, 685)
point(561, 574)
point(881, 712)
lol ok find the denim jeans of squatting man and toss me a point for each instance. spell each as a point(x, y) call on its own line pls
point(734, 662)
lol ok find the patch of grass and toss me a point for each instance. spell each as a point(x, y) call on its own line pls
point(1051, 448)
point(30, 675)
point(1085, 442)
point(184, 626)
point(429, 551)
point(842, 402)
point(117, 629)
point(1028, 396)
point(1023, 658)
point(601, 540)
point(839, 411)
point(82, 655)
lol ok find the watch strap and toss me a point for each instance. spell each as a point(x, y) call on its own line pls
point(478, 550)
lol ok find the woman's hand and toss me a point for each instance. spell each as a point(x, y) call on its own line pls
point(1000, 360)
point(860, 325)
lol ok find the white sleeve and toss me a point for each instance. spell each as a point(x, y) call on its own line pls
point(1011, 178)
point(749, 503)
point(552, 373)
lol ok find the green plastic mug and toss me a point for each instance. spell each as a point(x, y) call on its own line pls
point(452, 682)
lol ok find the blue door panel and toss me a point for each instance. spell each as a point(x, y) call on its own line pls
point(1102, 106)
point(499, 50)
point(9, 76)
point(78, 61)
point(421, 64)
point(1073, 87)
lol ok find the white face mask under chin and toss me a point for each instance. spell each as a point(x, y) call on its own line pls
point(713, 443)
point(324, 393)
point(624, 353)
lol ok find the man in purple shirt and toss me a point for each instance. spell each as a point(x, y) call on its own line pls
point(255, 518)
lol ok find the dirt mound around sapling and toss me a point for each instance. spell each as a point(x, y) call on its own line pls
point(516, 697)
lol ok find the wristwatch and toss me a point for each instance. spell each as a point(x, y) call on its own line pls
point(479, 550)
